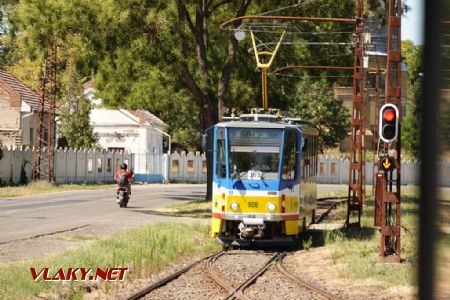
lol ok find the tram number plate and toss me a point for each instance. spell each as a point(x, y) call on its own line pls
point(253, 204)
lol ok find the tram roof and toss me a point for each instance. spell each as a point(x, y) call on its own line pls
point(255, 124)
point(266, 121)
point(261, 124)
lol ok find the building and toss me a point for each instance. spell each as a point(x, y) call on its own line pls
point(135, 131)
point(375, 61)
point(18, 112)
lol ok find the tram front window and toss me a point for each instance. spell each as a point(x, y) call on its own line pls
point(254, 153)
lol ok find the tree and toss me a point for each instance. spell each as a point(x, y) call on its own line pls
point(74, 113)
point(37, 26)
point(410, 126)
point(315, 102)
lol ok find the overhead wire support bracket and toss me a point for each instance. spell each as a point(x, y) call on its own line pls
point(286, 18)
point(312, 67)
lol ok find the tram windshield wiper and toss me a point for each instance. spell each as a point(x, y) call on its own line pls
point(263, 179)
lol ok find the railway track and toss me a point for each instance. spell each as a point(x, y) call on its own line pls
point(301, 282)
point(237, 292)
point(326, 205)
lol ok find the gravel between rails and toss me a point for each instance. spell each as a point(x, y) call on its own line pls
point(194, 284)
point(237, 267)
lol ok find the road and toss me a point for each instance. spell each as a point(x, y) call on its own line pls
point(41, 225)
point(44, 221)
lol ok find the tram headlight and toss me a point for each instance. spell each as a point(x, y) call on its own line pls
point(234, 206)
point(271, 206)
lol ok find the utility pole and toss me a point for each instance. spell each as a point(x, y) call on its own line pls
point(44, 143)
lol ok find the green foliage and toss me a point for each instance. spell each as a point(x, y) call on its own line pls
point(74, 113)
point(171, 58)
point(315, 102)
point(411, 125)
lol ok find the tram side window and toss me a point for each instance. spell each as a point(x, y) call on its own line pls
point(290, 155)
point(220, 155)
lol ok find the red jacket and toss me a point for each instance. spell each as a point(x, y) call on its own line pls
point(121, 171)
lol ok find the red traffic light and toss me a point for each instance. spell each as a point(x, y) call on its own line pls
point(389, 115)
point(388, 123)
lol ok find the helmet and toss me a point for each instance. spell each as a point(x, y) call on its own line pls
point(123, 166)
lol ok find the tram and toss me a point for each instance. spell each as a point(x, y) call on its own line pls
point(264, 179)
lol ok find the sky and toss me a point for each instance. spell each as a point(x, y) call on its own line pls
point(412, 23)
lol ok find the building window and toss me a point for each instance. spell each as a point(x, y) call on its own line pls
point(117, 164)
point(31, 136)
point(175, 166)
point(204, 166)
point(190, 166)
point(322, 169)
point(99, 165)
point(109, 165)
point(89, 165)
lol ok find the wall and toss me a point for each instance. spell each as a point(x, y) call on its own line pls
point(187, 167)
point(71, 166)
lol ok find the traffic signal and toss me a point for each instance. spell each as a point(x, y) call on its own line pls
point(388, 125)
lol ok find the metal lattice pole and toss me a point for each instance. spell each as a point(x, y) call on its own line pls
point(390, 193)
point(356, 187)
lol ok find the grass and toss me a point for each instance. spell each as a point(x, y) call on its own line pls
point(355, 252)
point(194, 209)
point(144, 251)
point(45, 188)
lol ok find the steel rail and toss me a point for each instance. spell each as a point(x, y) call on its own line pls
point(338, 200)
point(140, 294)
point(301, 282)
point(214, 276)
point(331, 198)
point(286, 18)
point(312, 67)
point(238, 293)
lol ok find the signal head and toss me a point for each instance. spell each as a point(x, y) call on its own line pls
point(389, 115)
point(388, 123)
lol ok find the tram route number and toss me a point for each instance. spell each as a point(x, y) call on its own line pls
point(252, 204)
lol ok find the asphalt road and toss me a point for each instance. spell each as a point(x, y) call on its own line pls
point(31, 216)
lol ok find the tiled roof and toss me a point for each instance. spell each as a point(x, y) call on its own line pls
point(147, 118)
point(26, 94)
point(88, 84)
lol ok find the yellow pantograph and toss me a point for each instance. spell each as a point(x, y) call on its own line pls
point(270, 55)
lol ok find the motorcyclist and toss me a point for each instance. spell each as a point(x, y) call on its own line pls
point(125, 180)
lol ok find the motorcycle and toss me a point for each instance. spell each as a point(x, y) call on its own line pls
point(122, 196)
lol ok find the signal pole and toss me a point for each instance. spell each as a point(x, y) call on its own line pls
point(388, 181)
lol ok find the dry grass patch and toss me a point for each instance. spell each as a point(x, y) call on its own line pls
point(46, 188)
point(193, 209)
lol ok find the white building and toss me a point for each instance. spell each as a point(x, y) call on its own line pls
point(136, 131)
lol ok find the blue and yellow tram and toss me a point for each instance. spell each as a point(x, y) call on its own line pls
point(264, 179)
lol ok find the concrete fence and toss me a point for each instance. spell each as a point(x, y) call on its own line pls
point(71, 166)
point(77, 166)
